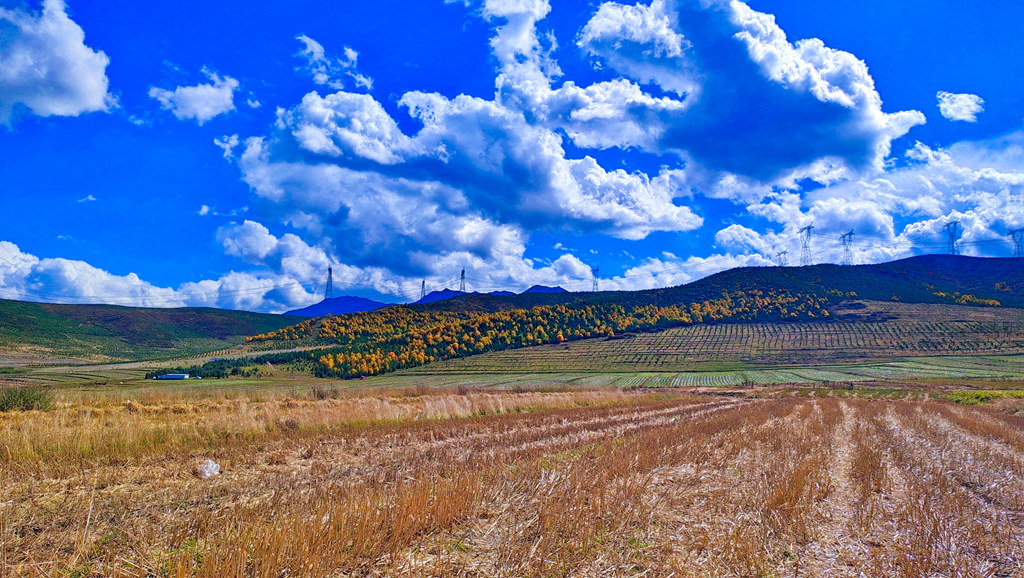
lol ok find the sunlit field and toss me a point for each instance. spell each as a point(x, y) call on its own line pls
point(443, 482)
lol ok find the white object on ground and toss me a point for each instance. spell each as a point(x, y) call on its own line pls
point(208, 469)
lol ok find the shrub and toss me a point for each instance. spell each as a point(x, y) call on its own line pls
point(976, 397)
point(24, 399)
point(321, 393)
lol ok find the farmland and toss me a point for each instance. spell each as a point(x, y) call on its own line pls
point(871, 332)
point(581, 482)
point(871, 342)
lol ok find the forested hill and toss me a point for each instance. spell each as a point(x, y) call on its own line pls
point(923, 279)
point(407, 336)
point(114, 333)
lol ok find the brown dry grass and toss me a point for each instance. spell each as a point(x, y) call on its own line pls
point(584, 483)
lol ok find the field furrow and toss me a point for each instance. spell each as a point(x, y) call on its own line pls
point(571, 484)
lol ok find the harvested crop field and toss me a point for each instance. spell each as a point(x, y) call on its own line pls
point(581, 483)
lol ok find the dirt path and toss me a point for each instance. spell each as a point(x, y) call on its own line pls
point(839, 549)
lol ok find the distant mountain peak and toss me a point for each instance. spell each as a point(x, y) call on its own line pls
point(545, 289)
point(338, 306)
point(440, 295)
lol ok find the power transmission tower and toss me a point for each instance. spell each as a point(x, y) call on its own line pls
point(462, 281)
point(329, 292)
point(953, 230)
point(1018, 242)
point(805, 245)
point(847, 240)
point(423, 289)
point(595, 271)
point(782, 257)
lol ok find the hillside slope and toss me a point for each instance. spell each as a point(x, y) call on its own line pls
point(922, 279)
point(44, 331)
point(862, 332)
point(410, 336)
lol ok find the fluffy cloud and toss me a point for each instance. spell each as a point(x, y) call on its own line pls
point(46, 66)
point(475, 180)
point(903, 211)
point(641, 42)
point(201, 102)
point(963, 107)
point(345, 123)
point(329, 71)
point(739, 98)
point(672, 270)
point(711, 89)
point(849, 104)
point(26, 277)
point(744, 240)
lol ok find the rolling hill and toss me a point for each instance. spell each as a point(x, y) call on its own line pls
point(338, 306)
point(34, 332)
point(922, 279)
point(410, 336)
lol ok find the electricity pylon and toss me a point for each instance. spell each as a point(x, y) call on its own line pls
point(805, 244)
point(1017, 235)
point(953, 230)
point(847, 240)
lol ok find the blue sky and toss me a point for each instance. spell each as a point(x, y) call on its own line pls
point(223, 154)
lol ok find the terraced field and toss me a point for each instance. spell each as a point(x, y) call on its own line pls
point(897, 331)
point(530, 484)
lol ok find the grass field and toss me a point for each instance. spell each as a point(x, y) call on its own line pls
point(529, 483)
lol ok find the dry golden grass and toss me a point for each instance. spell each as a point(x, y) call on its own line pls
point(581, 483)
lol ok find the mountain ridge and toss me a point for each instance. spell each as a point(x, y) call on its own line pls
point(337, 306)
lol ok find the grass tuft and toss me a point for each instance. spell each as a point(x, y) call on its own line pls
point(25, 399)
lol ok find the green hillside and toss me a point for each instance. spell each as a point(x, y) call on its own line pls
point(42, 331)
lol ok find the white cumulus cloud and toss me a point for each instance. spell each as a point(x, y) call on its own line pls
point(962, 107)
point(291, 284)
point(46, 66)
point(201, 102)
